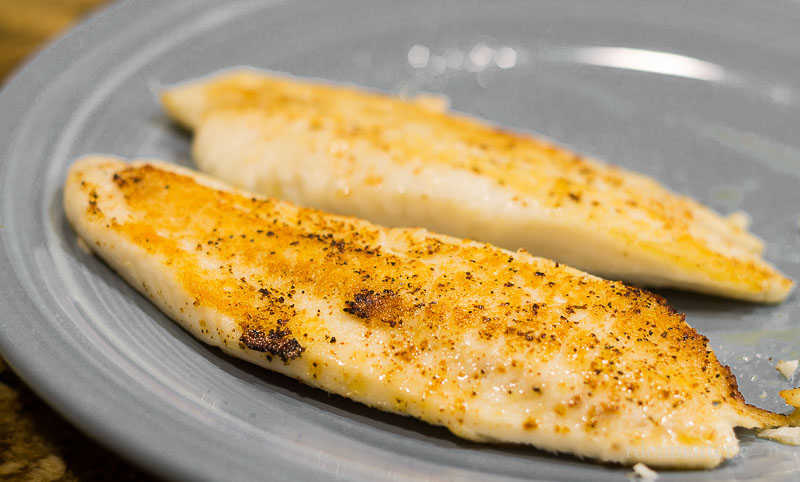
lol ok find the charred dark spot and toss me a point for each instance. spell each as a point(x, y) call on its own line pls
point(122, 180)
point(368, 303)
point(338, 245)
point(276, 342)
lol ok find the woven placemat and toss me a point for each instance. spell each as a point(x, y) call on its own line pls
point(37, 444)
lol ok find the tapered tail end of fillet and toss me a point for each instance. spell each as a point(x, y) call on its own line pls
point(185, 104)
point(188, 102)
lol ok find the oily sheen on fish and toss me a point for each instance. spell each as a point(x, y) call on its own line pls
point(401, 162)
point(497, 346)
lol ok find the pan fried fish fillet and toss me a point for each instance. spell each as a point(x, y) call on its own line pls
point(410, 163)
point(492, 344)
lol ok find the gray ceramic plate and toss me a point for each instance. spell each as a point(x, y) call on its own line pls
point(704, 97)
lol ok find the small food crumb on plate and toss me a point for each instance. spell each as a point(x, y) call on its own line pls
point(644, 472)
point(784, 435)
point(787, 367)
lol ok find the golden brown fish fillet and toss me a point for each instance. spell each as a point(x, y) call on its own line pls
point(494, 345)
point(410, 163)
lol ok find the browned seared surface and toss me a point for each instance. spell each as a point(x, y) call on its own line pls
point(490, 343)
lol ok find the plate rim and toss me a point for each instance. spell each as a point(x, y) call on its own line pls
point(14, 298)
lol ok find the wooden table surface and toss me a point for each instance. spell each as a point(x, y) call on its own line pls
point(36, 443)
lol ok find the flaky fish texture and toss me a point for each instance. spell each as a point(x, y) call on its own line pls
point(410, 163)
point(497, 346)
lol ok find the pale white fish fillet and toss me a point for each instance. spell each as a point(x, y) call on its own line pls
point(497, 346)
point(410, 163)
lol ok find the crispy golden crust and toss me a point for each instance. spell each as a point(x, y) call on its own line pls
point(468, 319)
point(633, 209)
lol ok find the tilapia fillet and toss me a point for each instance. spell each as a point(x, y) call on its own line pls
point(492, 344)
point(410, 163)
